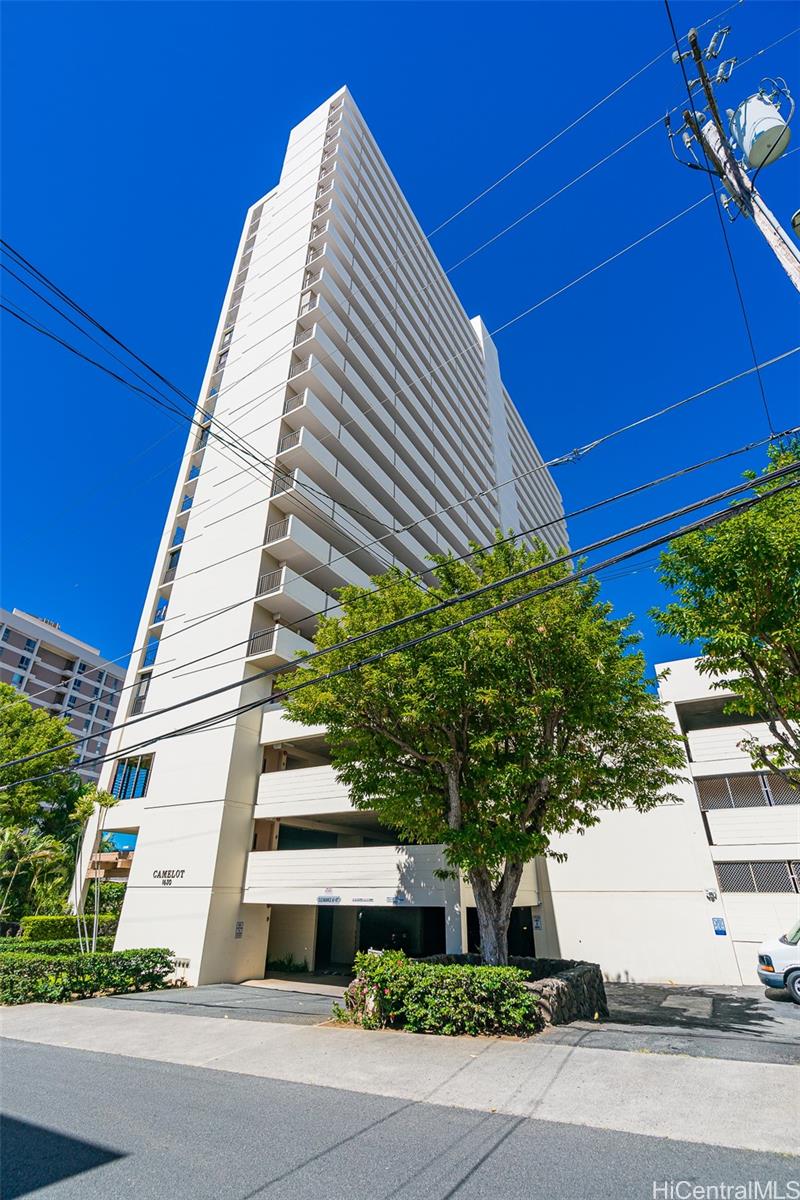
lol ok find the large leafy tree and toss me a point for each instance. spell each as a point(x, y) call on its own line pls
point(496, 737)
point(43, 805)
point(737, 598)
point(39, 819)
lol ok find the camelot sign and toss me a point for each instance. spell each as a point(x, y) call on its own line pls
point(167, 877)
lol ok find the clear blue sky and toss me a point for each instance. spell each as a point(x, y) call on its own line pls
point(135, 136)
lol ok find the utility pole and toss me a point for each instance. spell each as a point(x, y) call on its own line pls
point(720, 158)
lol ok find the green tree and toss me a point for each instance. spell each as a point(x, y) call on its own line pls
point(39, 819)
point(496, 737)
point(44, 805)
point(737, 598)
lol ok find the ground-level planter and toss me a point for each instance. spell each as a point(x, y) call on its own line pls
point(567, 989)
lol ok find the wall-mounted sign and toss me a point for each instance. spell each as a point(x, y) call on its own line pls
point(329, 899)
point(399, 898)
point(719, 926)
point(363, 900)
point(167, 876)
point(537, 922)
point(239, 929)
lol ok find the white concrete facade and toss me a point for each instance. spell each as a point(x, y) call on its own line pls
point(686, 892)
point(344, 358)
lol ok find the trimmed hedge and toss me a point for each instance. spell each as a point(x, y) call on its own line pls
point(393, 991)
point(46, 929)
point(41, 978)
point(58, 946)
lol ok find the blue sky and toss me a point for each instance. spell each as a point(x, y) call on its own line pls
point(136, 134)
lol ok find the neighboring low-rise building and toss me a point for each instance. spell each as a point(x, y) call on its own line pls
point(66, 676)
point(688, 891)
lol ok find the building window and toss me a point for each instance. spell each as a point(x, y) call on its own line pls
point(161, 610)
point(72, 701)
point(195, 471)
point(96, 692)
point(76, 683)
point(87, 724)
point(82, 667)
point(24, 662)
point(17, 680)
point(30, 645)
point(150, 653)
point(178, 536)
point(107, 716)
point(186, 503)
point(769, 877)
point(6, 634)
point(132, 777)
point(751, 790)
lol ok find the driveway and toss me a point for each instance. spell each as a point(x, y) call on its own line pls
point(748, 1024)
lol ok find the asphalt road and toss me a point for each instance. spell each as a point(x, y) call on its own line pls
point(93, 1126)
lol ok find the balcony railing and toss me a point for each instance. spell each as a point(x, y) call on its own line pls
point(276, 531)
point(298, 368)
point(311, 277)
point(169, 574)
point(138, 706)
point(291, 403)
point(290, 440)
point(262, 642)
point(314, 253)
point(269, 582)
point(309, 302)
point(303, 336)
point(281, 482)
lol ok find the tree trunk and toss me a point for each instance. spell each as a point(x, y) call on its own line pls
point(494, 905)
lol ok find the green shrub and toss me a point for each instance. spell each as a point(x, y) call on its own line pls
point(112, 893)
point(287, 963)
point(41, 978)
point(57, 946)
point(392, 990)
point(46, 929)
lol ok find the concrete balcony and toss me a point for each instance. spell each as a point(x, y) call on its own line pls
point(327, 471)
point(277, 727)
point(293, 542)
point(310, 792)
point(290, 597)
point(350, 875)
point(274, 645)
point(299, 494)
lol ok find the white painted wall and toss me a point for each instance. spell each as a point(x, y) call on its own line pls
point(356, 875)
point(307, 792)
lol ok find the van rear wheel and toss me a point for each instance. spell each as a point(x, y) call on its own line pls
point(792, 984)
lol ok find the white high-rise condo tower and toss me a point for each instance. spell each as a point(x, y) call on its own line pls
point(344, 358)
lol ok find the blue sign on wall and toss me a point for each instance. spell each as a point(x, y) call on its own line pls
point(719, 926)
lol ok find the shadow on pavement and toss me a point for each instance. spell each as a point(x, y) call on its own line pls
point(750, 1011)
point(34, 1157)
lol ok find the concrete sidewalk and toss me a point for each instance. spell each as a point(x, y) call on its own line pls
point(720, 1102)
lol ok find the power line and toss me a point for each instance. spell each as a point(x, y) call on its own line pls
point(721, 218)
point(704, 523)
point(399, 622)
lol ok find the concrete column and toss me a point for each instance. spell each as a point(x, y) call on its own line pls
point(454, 925)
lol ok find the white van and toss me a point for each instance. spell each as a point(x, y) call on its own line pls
point(779, 963)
